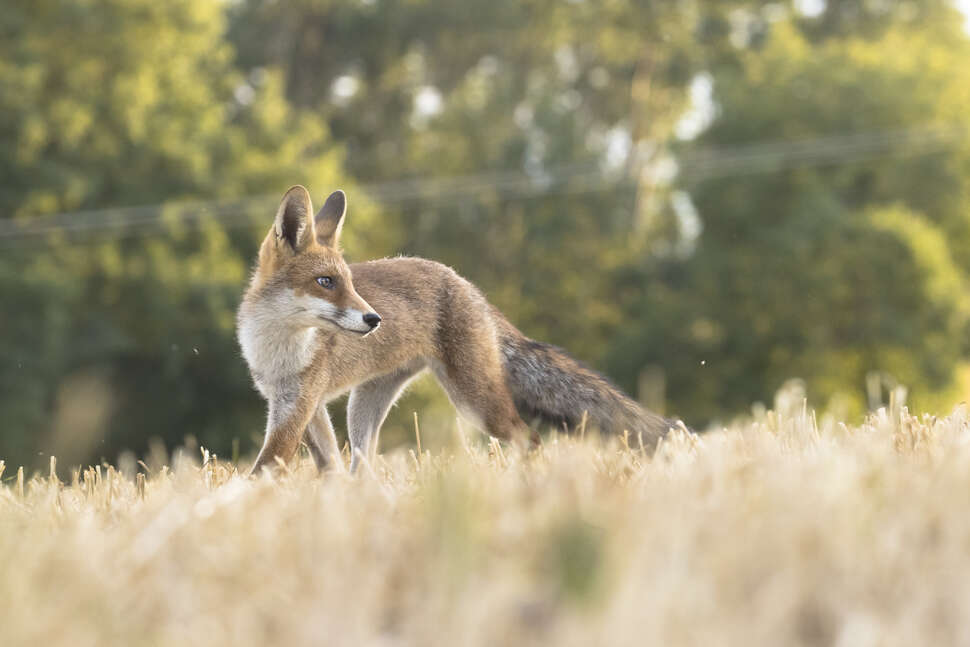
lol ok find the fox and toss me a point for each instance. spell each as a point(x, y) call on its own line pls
point(312, 327)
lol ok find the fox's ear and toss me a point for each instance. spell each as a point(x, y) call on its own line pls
point(293, 223)
point(330, 219)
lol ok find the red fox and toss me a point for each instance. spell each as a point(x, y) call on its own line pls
point(312, 328)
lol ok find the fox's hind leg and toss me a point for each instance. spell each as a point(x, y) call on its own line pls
point(320, 439)
point(368, 406)
point(481, 394)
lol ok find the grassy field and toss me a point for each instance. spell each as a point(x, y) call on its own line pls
point(785, 530)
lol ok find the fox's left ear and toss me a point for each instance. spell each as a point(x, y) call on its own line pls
point(330, 219)
point(293, 225)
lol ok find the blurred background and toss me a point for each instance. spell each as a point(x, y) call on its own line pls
point(703, 200)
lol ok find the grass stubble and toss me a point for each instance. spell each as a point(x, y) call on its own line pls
point(779, 531)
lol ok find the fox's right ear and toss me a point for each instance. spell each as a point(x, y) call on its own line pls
point(330, 220)
point(294, 219)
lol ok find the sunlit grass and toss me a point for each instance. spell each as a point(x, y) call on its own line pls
point(784, 530)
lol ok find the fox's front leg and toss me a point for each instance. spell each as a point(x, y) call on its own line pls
point(289, 414)
point(320, 439)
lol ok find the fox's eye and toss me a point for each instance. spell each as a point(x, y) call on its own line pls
point(325, 282)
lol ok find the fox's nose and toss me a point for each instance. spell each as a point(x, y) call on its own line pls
point(372, 319)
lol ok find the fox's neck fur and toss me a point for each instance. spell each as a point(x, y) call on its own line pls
point(274, 350)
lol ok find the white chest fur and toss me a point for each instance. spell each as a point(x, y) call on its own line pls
point(276, 352)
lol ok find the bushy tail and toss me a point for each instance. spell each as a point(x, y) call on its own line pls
point(551, 386)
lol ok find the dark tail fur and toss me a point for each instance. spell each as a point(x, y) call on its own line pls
point(551, 386)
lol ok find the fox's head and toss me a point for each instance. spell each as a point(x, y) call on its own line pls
point(302, 274)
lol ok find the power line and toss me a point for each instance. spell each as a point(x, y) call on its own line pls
point(232, 213)
point(692, 167)
point(775, 156)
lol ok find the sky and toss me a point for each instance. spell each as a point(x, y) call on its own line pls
point(964, 6)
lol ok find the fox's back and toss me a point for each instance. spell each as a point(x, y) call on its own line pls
point(427, 312)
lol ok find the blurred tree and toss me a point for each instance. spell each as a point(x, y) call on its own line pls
point(826, 259)
point(572, 94)
point(610, 269)
point(867, 19)
point(123, 102)
point(575, 112)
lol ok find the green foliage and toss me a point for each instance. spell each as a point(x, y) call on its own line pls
point(134, 102)
point(130, 102)
point(828, 266)
point(546, 87)
point(825, 271)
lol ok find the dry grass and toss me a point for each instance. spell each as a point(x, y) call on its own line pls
point(778, 532)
